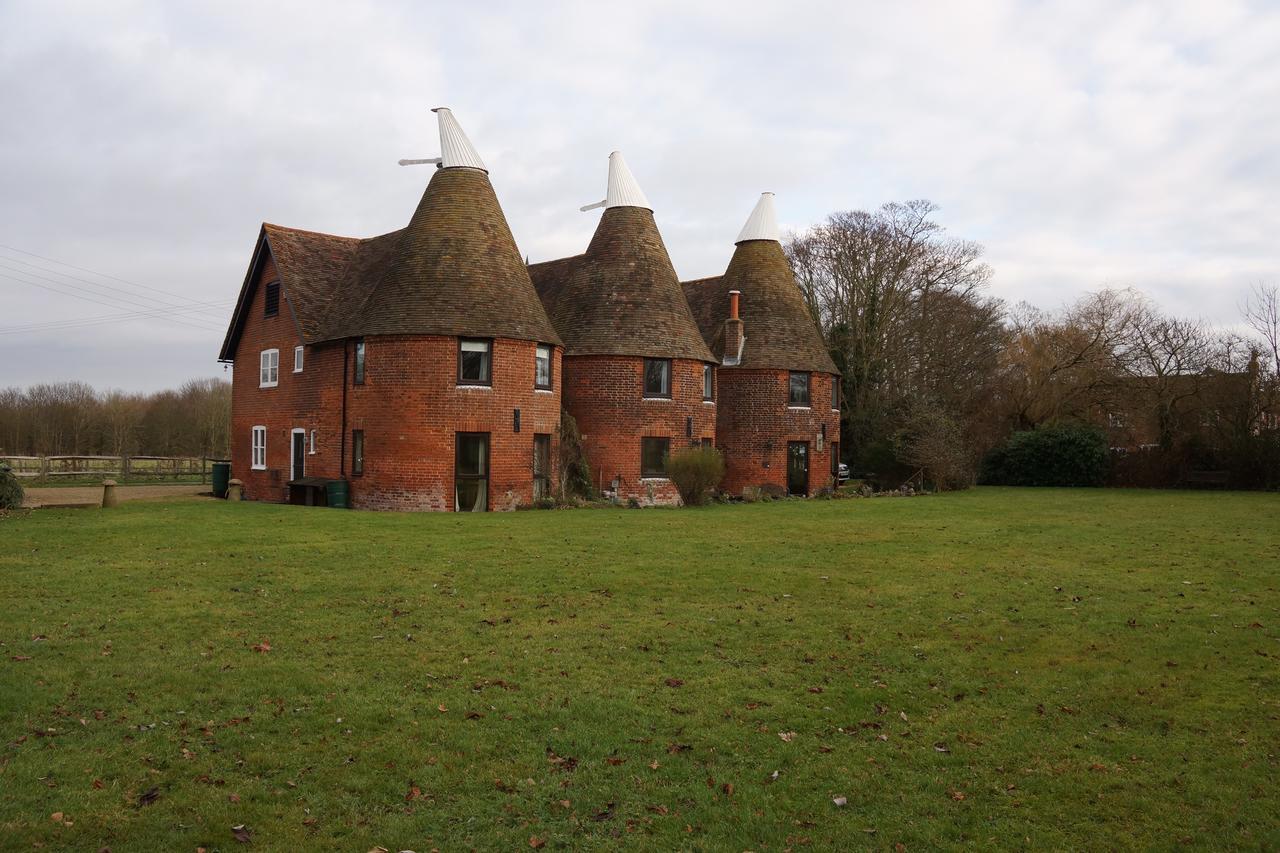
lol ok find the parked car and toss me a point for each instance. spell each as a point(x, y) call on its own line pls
point(842, 474)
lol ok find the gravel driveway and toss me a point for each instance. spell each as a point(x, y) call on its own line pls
point(92, 495)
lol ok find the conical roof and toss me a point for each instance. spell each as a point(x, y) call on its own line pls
point(780, 332)
point(622, 296)
point(454, 270)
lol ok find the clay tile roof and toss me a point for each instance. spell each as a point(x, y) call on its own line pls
point(622, 296)
point(454, 270)
point(780, 332)
point(310, 266)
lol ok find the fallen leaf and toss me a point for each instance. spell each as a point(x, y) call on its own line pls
point(263, 647)
point(97, 784)
point(564, 804)
point(441, 708)
point(941, 747)
point(659, 810)
point(233, 798)
point(21, 657)
point(727, 787)
point(841, 802)
point(605, 813)
point(474, 715)
point(415, 793)
point(614, 761)
point(674, 682)
point(673, 748)
point(653, 765)
point(956, 795)
point(242, 833)
point(536, 843)
point(787, 736)
point(148, 797)
point(56, 817)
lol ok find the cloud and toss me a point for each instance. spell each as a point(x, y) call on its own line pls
point(1084, 144)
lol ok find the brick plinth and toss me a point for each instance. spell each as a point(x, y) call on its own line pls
point(605, 395)
point(755, 424)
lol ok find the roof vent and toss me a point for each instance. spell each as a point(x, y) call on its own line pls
point(456, 151)
point(623, 190)
point(762, 224)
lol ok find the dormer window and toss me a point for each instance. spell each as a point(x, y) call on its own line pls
point(271, 302)
point(475, 361)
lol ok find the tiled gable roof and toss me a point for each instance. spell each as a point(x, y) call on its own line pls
point(454, 270)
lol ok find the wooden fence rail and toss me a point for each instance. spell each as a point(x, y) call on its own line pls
point(133, 467)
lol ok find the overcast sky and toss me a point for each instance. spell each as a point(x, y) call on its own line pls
point(1085, 144)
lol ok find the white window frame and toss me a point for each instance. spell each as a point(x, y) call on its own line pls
point(269, 368)
point(297, 359)
point(312, 448)
point(258, 448)
point(293, 460)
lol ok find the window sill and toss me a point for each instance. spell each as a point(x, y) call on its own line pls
point(474, 387)
point(543, 391)
point(257, 467)
point(657, 399)
point(269, 385)
point(708, 402)
point(800, 408)
point(651, 479)
point(297, 371)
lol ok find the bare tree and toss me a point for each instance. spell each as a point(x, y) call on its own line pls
point(1262, 312)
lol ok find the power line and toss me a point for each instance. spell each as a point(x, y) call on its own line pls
point(86, 269)
point(85, 280)
point(62, 325)
point(91, 299)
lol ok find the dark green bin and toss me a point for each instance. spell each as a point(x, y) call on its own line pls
point(221, 478)
point(335, 494)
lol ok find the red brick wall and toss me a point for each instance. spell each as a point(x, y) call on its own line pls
point(755, 424)
point(409, 407)
point(605, 395)
point(310, 400)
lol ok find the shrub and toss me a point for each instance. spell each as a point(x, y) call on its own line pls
point(10, 489)
point(695, 472)
point(1056, 455)
point(931, 441)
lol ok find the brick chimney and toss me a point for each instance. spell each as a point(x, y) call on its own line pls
point(733, 331)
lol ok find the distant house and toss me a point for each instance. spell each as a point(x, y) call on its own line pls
point(428, 368)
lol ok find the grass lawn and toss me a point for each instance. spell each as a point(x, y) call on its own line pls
point(1002, 668)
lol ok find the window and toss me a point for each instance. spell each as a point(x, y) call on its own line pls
point(653, 456)
point(706, 443)
point(359, 362)
point(835, 393)
point(471, 472)
point(357, 452)
point(312, 451)
point(297, 359)
point(475, 362)
point(271, 304)
point(657, 377)
point(542, 367)
point(259, 460)
point(541, 467)
point(799, 395)
point(708, 382)
point(269, 368)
